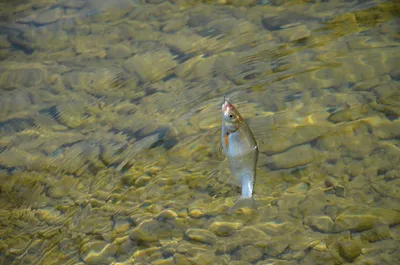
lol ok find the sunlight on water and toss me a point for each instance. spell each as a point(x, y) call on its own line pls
point(110, 123)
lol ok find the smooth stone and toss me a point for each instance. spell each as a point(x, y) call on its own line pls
point(248, 254)
point(181, 259)
point(290, 201)
point(142, 181)
point(196, 213)
point(234, 243)
point(356, 222)
point(152, 230)
point(62, 188)
point(200, 256)
point(146, 231)
point(172, 25)
point(89, 44)
point(188, 42)
point(274, 246)
point(166, 215)
point(377, 233)
point(274, 228)
point(224, 228)
point(252, 233)
point(349, 114)
point(151, 66)
point(321, 223)
point(294, 33)
point(146, 254)
point(122, 224)
point(195, 68)
point(349, 250)
point(48, 215)
point(340, 191)
point(120, 50)
point(318, 245)
point(276, 143)
point(385, 130)
point(21, 76)
point(201, 235)
point(98, 252)
point(48, 16)
point(294, 157)
point(109, 10)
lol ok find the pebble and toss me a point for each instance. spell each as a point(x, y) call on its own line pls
point(201, 235)
point(97, 252)
point(355, 222)
point(224, 228)
point(294, 157)
point(49, 16)
point(248, 254)
point(275, 246)
point(14, 76)
point(153, 230)
point(196, 213)
point(321, 223)
point(349, 114)
point(294, 33)
point(166, 215)
point(290, 201)
point(200, 256)
point(142, 181)
point(279, 142)
point(378, 233)
point(61, 189)
point(108, 11)
point(151, 66)
point(89, 43)
point(349, 250)
point(252, 233)
point(181, 259)
point(120, 50)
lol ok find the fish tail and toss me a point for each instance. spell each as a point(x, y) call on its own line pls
point(243, 202)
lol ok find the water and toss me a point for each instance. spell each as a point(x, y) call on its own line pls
point(110, 131)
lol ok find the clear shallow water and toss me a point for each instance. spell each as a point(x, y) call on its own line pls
point(110, 131)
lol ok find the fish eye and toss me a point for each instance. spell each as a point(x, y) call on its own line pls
point(231, 116)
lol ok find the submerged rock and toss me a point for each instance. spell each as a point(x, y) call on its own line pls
point(165, 225)
point(321, 223)
point(224, 228)
point(248, 254)
point(97, 252)
point(349, 250)
point(358, 222)
point(20, 75)
point(294, 157)
point(200, 235)
point(151, 66)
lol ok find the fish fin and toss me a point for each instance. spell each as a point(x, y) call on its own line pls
point(243, 202)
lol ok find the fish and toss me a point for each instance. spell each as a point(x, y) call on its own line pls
point(241, 150)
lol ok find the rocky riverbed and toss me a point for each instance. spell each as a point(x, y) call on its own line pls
point(110, 131)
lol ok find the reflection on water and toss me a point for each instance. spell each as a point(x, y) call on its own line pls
point(110, 131)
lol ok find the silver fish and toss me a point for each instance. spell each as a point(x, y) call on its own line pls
point(240, 148)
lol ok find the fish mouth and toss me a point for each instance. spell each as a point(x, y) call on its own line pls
point(226, 106)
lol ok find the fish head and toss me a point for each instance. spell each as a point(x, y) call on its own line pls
point(231, 118)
